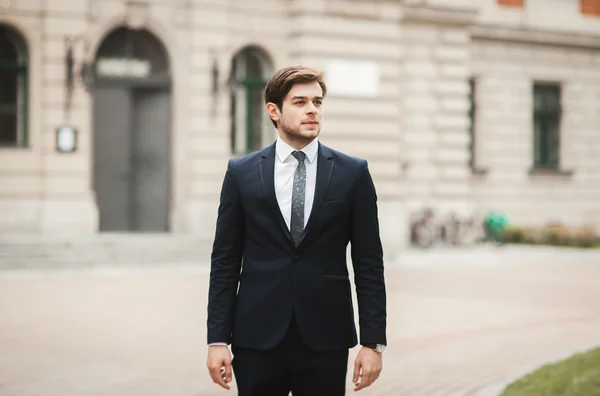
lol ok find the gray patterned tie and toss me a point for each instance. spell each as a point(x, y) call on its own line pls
point(298, 195)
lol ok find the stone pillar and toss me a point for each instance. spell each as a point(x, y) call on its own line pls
point(435, 105)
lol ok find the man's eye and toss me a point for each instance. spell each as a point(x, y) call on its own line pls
point(318, 102)
point(299, 102)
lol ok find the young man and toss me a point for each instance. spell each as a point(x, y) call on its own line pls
point(286, 216)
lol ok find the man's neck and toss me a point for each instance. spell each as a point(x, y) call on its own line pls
point(298, 144)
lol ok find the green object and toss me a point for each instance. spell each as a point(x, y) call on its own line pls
point(495, 223)
point(578, 375)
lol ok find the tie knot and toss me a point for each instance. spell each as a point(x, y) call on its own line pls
point(299, 155)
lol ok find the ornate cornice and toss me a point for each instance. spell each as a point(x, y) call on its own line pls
point(533, 36)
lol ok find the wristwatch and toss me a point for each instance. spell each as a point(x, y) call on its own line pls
point(379, 348)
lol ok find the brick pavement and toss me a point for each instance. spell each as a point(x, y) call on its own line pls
point(461, 323)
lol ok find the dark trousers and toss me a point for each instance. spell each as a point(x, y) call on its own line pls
point(290, 366)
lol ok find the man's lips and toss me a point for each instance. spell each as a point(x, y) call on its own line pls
point(311, 122)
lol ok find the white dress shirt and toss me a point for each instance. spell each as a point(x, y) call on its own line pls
point(285, 167)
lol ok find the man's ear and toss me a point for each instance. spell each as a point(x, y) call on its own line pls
point(273, 111)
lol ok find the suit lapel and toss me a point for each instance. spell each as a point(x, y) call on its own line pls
point(267, 178)
point(325, 165)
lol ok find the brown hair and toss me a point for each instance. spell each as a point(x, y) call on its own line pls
point(282, 82)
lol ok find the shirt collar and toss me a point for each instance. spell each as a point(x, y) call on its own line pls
point(284, 150)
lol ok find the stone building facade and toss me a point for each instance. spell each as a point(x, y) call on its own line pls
point(457, 104)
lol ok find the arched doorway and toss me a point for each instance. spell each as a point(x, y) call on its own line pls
point(13, 88)
point(132, 140)
point(251, 127)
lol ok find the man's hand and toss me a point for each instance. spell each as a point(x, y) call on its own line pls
point(219, 365)
point(367, 367)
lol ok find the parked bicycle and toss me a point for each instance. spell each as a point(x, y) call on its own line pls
point(422, 229)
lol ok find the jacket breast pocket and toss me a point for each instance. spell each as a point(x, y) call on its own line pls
point(336, 205)
point(336, 201)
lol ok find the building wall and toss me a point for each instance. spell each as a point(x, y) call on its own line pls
point(556, 16)
point(435, 106)
point(21, 181)
point(309, 33)
point(360, 126)
point(219, 30)
point(414, 133)
point(505, 73)
point(44, 191)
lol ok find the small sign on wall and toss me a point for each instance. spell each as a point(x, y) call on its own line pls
point(66, 139)
point(352, 78)
point(123, 68)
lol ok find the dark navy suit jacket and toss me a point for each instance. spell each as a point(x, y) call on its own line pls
point(253, 250)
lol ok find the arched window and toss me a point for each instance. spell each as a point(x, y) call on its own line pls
point(13, 88)
point(251, 127)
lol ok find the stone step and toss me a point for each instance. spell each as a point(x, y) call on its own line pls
point(30, 251)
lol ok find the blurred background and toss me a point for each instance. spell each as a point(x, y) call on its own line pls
point(120, 116)
point(480, 120)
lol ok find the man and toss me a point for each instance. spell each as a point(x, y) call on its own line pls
point(286, 216)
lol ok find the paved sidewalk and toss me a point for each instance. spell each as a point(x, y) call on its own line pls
point(461, 322)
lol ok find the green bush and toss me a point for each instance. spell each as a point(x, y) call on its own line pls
point(585, 237)
point(536, 236)
point(553, 234)
point(513, 235)
point(557, 235)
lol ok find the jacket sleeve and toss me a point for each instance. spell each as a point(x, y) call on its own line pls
point(367, 260)
point(226, 260)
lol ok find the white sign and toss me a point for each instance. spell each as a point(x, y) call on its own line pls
point(122, 67)
point(352, 78)
point(65, 139)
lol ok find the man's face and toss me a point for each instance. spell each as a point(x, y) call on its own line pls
point(302, 112)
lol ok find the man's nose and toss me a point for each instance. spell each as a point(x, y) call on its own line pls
point(311, 108)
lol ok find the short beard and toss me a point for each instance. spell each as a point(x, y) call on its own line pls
point(293, 134)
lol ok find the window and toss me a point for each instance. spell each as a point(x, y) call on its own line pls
point(13, 89)
point(472, 110)
point(590, 7)
point(251, 127)
point(511, 3)
point(546, 125)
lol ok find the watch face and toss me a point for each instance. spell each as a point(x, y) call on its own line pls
point(379, 348)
